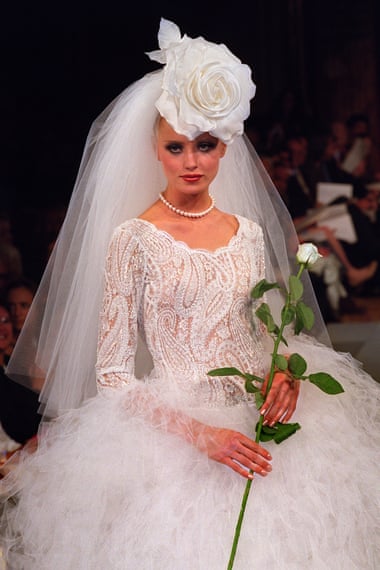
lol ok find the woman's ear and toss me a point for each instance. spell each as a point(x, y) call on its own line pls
point(155, 137)
point(155, 146)
point(223, 148)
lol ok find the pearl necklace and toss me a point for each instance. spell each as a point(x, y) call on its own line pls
point(183, 212)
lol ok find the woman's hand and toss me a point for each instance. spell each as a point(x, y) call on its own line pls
point(233, 449)
point(281, 401)
point(226, 446)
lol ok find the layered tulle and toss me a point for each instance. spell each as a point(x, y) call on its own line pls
point(108, 490)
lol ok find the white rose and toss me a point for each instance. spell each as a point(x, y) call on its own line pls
point(308, 254)
point(205, 88)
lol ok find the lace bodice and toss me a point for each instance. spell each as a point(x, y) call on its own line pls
point(192, 307)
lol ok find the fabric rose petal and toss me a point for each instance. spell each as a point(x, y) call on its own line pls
point(205, 88)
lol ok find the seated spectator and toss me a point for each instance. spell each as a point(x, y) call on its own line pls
point(300, 191)
point(19, 417)
point(358, 157)
point(363, 209)
point(10, 265)
point(350, 152)
point(7, 443)
point(339, 139)
point(19, 297)
point(328, 152)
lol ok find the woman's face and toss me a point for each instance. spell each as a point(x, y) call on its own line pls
point(189, 166)
point(19, 300)
point(6, 330)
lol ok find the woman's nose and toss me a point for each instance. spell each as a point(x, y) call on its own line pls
point(190, 161)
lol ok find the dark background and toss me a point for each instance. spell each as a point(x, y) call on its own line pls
point(62, 63)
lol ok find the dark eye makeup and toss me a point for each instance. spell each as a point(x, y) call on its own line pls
point(202, 145)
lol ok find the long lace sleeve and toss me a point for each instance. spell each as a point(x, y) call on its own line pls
point(118, 331)
point(118, 335)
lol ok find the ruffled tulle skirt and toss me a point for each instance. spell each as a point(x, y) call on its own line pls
point(108, 491)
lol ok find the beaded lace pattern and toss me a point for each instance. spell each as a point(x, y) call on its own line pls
point(192, 304)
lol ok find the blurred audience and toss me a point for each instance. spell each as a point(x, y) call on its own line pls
point(299, 164)
point(301, 198)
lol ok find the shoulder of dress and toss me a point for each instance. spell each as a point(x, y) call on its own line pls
point(133, 227)
point(127, 246)
point(127, 225)
point(125, 237)
point(249, 226)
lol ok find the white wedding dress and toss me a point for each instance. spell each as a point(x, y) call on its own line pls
point(111, 489)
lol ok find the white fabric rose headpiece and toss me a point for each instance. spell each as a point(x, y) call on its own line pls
point(205, 88)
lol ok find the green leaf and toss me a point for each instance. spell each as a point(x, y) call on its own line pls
point(304, 317)
point(275, 331)
point(251, 388)
point(287, 314)
point(297, 365)
point(259, 400)
point(326, 383)
point(265, 315)
point(262, 287)
point(252, 377)
point(226, 372)
point(284, 431)
point(283, 339)
point(268, 430)
point(298, 327)
point(308, 315)
point(278, 433)
point(266, 433)
point(265, 437)
point(295, 288)
point(234, 372)
point(281, 362)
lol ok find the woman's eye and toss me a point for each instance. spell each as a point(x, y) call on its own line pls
point(205, 146)
point(174, 148)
